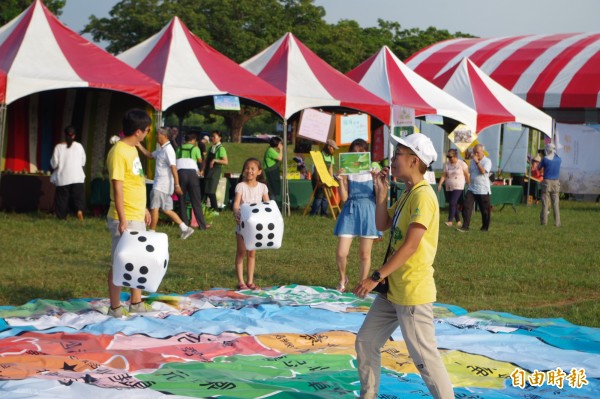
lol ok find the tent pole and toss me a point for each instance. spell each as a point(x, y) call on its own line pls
point(285, 195)
point(3, 108)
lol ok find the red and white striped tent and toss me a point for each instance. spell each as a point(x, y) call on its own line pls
point(188, 68)
point(386, 76)
point(39, 53)
point(309, 82)
point(494, 104)
point(548, 71)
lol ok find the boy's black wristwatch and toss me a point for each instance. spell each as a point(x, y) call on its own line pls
point(376, 276)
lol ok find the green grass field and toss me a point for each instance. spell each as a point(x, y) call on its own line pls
point(518, 267)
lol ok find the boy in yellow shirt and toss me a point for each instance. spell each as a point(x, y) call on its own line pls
point(127, 199)
point(407, 272)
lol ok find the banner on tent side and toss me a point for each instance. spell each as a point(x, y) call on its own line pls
point(577, 146)
point(515, 144)
point(315, 125)
point(351, 127)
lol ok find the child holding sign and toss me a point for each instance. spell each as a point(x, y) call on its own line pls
point(357, 218)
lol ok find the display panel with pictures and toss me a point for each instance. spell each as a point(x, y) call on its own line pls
point(352, 127)
point(355, 162)
point(227, 103)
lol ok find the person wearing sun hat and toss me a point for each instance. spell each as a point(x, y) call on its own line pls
point(550, 167)
point(405, 281)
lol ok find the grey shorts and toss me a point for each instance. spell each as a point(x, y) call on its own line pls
point(160, 200)
point(113, 228)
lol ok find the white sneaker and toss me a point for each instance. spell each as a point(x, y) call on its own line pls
point(185, 234)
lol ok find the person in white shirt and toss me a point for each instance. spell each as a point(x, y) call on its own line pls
point(166, 182)
point(68, 160)
point(479, 190)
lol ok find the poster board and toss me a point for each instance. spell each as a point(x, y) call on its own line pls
point(355, 162)
point(321, 168)
point(315, 125)
point(352, 127)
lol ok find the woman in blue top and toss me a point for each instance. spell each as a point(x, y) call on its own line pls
point(357, 218)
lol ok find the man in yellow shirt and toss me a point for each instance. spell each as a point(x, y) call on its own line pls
point(127, 198)
point(407, 273)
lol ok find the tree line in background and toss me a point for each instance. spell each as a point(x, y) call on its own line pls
point(242, 28)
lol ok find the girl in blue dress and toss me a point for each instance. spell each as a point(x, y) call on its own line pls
point(357, 218)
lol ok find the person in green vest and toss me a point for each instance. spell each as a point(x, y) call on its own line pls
point(217, 157)
point(188, 160)
point(272, 162)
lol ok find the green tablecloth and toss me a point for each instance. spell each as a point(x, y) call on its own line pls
point(300, 192)
point(507, 195)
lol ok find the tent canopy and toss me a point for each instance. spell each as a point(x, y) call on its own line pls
point(309, 82)
point(386, 76)
point(39, 53)
point(494, 104)
point(188, 68)
point(549, 71)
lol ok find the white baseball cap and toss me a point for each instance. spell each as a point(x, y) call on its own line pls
point(420, 144)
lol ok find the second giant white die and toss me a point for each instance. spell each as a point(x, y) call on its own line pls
point(261, 225)
point(140, 260)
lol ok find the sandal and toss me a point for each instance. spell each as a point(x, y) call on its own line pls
point(242, 287)
point(342, 287)
point(253, 287)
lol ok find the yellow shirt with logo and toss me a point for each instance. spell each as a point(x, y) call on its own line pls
point(413, 283)
point(123, 163)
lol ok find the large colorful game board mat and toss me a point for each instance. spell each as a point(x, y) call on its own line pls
point(282, 342)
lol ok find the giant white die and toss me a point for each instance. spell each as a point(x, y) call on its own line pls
point(140, 260)
point(261, 225)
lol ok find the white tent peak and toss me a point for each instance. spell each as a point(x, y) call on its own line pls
point(187, 68)
point(309, 82)
point(494, 104)
point(386, 76)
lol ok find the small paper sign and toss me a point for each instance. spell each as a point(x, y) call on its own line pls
point(355, 162)
point(227, 103)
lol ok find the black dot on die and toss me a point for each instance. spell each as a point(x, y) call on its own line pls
point(142, 239)
point(150, 248)
point(129, 267)
point(144, 269)
point(270, 244)
point(134, 233)
point(268, 210)
point(255, 210)
point(141, 287)
point(259, 227)
point(254, 204)
point(126, 284)
point(127, 276)
point(271, 236)
point(165, 265)
point(243, 224)
point(142, 280)
point(258, 245)
point(259, 236)
point(271, 226)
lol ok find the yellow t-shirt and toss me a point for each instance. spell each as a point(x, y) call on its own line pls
point(413, 283)
point(123, 163)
